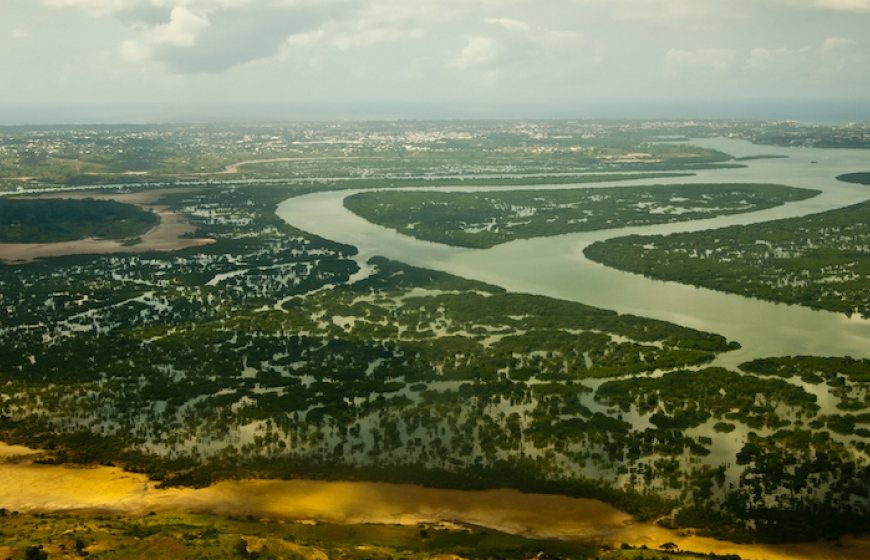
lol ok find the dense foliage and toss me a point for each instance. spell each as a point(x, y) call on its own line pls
point(484, 219)
point(860, 178)
point(49, 220)
point(821, 260)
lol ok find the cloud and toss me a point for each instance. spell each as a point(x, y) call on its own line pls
point(837, 43)
point(305, 38)
point(699, 61)
point(844, 5)
point(478, 51)
point(764, 59)
point(211, 36)
point(233, 37)
point(839, 55)
point(182, 30)
point(134, 51)
point(93, 7)
point(662, 12)
point(853, 6)
point(835, 56)
point(509, 24)
point(514, 49)
point(381, 21)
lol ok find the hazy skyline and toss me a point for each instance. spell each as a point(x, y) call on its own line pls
point(152, 60)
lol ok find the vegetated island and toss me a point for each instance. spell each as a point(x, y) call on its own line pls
point(56, 220)
point(820, 261)
point(860, 178)
point(485, 219)
point(760, 156)
point(521, 181)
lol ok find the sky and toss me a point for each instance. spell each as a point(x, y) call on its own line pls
point(162, 60)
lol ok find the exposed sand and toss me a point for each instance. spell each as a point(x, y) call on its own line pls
point(166, 236)
point(33, 488)
point(11, 451)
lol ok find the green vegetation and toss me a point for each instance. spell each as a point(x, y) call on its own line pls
point(812, 369)
point(860, 178)
point(483, 219)
point(521, 181)
point(762, 156)
point(200, 536)
point(787, 443)
point(50, 220)
point(847, 379)
point(687, 399)
point(256, 355)
point(820, 260)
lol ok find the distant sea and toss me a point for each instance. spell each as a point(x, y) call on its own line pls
point(807, 111)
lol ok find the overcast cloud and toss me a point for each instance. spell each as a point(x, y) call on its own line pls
point(471, 53)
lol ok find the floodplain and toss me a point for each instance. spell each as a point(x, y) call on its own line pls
point(304, 342)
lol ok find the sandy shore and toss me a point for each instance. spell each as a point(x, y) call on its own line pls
point(28, 487)
point(166, 236)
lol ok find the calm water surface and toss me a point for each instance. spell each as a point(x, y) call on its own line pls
point(556, 267)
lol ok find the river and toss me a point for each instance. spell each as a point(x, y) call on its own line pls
point(556, 267)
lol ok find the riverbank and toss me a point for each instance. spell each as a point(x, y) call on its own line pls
point(38, 488)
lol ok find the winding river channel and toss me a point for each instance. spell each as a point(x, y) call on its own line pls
point(556, 266)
